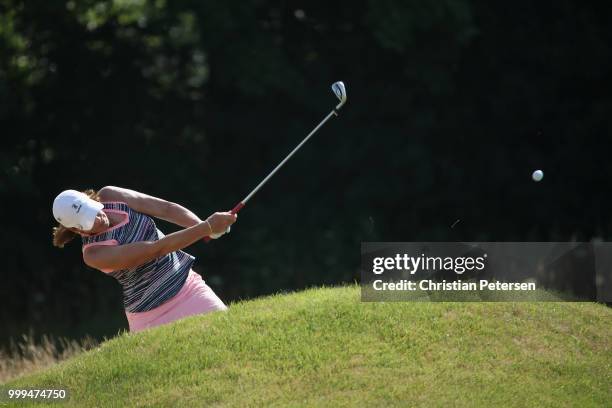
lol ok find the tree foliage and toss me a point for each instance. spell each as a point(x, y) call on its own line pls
point(452, 104)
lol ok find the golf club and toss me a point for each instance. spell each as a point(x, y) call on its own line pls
point(340, 92)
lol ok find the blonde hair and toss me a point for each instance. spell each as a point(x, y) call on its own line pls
point(61, 234)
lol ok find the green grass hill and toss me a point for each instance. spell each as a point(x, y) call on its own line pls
point(323, 347)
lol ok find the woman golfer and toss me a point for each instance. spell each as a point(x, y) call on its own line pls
point(120, 238)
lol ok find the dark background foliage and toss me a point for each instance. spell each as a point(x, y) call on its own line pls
point(452, 105)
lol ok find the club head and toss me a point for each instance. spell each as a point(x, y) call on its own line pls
point(340, 91)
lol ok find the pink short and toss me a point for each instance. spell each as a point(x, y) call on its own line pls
point(195, 297)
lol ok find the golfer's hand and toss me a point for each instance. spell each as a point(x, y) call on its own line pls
point(221, 221)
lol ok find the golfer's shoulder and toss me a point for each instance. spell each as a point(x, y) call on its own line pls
point(109, 193)
point(113, 199)
point(113, 196)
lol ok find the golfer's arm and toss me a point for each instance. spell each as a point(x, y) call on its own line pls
point(150, 205)
point(179, 215)
point(137, 253)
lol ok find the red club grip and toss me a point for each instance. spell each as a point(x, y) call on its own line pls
point(234, 210)
point(237, 208)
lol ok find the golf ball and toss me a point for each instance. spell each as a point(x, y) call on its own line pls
point(537, 175)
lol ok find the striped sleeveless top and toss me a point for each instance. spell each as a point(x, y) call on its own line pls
point(153, 283)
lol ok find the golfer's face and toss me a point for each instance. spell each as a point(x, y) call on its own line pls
point(100, 224)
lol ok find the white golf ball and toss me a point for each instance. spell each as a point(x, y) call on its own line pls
point(537, 175)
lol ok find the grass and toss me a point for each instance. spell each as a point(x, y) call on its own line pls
point(28, 354)
point(323, 347)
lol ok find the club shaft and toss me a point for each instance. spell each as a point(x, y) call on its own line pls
point(264, 181)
